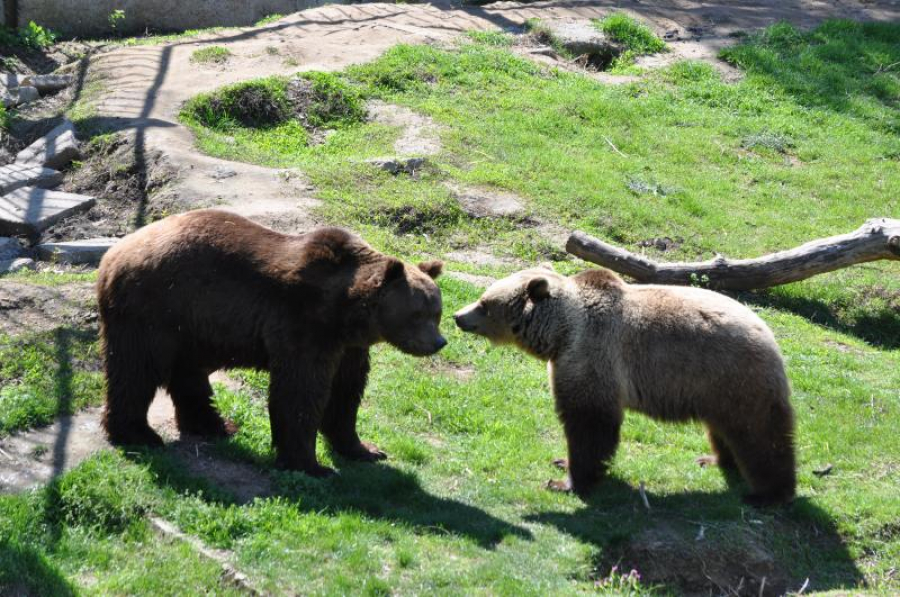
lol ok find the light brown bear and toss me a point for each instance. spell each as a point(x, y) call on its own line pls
point(208, 289)
point(673, 353)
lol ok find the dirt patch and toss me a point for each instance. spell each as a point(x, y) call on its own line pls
point(662, 244)
point(486, 203)
point(408, 219)
point(122, 178)
point(473, 279)
point(449, 369)
point(420, 135)
point(34, 457)
point(28, 308)
point(481, 257)
point(662, 556)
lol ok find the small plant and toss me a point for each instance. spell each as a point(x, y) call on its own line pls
point(492, 38)
point(267, 20)
point(699, 281)
point(115, 18)
point(634, 35)
point(211, 55)
point(31, 36)
point(4, 119)
point(618, 583)
point(772, 141)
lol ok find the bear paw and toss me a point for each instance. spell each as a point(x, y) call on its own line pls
point(561, 463)
point(709, 460)
point(363, 452)
point(559, 485)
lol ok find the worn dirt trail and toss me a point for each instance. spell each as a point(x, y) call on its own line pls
point(145, 86)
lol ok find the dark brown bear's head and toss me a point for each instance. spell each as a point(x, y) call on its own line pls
point(520, 310)
point(409, 308)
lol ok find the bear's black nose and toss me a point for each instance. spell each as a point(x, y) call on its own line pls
point(442, 342)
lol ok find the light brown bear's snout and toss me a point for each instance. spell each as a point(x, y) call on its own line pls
point(469, 319)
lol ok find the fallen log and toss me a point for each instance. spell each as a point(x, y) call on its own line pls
point(878, 238)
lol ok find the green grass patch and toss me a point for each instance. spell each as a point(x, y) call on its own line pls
point(635, 36)
point(211, 55)
point(46, 375)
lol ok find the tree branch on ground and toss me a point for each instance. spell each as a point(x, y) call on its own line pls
point(878, 238)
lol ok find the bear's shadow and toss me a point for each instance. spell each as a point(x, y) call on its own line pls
point(697, 543)
point(379, 491)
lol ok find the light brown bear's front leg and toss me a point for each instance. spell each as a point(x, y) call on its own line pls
point(299, 389)
point(591, 422)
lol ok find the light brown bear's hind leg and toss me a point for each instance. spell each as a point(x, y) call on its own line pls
point(721, 456)
point(765, 457)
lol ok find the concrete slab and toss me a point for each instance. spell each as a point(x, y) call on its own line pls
point(30, 210)
point(75, 252)
point(16, 176)
point(13, 265)
point(56, 149)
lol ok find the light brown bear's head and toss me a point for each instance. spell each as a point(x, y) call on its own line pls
point(409, 307)
point(525, 309)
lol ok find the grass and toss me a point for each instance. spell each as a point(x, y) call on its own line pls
point(636, 38)
point(31, 36)
point(804, 146)
point(211, 55)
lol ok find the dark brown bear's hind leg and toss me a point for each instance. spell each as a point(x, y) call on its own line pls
point(194, 411)
point(130, 388)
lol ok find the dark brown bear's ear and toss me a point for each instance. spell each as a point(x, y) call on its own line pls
point(538, 289)
point(432, 268)
point(393, 271)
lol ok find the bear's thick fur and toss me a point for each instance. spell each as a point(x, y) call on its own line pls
point(207, 289)
point(673, 353)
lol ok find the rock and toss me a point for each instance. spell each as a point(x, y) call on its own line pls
point(29, 210)
point(48, 83)
point(222, 172)
point(26, 95)
point(16, 176)
point(581, 37)
point(75, 252)
point(398, 165)
point(9, 248)
point(479, 203)
point(15, 265)
point(56, 149)
point(7, 98)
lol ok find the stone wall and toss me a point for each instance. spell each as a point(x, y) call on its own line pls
point(90, 18)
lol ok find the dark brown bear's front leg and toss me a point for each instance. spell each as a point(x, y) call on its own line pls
point(339, 420)
point(299, 389)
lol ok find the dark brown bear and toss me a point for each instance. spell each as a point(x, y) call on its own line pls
point(206, 290)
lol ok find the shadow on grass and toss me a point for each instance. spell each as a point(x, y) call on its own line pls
point(876, 325)
point(709, 543)
point(379, 491)
point(25, 571)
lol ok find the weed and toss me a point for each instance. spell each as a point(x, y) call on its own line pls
point(31, 36)
point(632, 34)
point(211, 55)
point(115, 18)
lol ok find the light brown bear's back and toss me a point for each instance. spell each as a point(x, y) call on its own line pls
point(693, 353)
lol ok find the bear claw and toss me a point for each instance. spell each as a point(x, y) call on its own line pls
point(705, 461)
point(560, 486)
point(561, 463)
point(364, 452)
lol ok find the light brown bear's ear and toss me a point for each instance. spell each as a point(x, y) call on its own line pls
point(432, 268)
point(538, 289)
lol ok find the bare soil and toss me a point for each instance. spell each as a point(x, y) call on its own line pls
point(26, 308)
